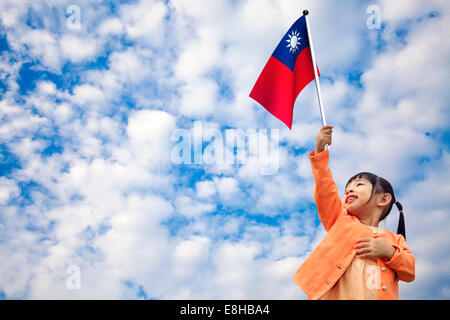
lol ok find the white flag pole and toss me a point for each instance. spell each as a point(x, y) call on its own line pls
point(311, 47)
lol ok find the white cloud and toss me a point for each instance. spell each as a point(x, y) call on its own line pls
point(189, 256)
point(149, 133)
point(198, 55)
point(191, 208)
point(399, 11)
point(144, 19)
point(43, 46)
point(8, 190)
point(198, 98)
point(11, 12)
point(227, 187)
point(46, 87)
point(63, 112)
point(282, 191)
point(21, 123)
point(130, 65)
point(88, 94)
point(78, 49)
point(205, 189)
point(110, 26)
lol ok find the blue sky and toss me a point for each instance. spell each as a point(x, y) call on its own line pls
point(87, 115)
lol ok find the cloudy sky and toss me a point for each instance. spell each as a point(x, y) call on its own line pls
point(93, 92)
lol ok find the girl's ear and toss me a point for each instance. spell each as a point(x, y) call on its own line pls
point(384, 199)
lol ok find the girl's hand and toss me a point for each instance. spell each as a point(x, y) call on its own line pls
point(374, 248)
point(323, 138)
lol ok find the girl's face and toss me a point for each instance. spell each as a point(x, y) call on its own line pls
point(356, 195)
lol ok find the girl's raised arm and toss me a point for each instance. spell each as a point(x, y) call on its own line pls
point(326, 196)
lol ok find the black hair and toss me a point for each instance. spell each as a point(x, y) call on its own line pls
point(381, 186)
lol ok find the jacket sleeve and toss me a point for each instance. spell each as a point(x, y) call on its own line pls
point(403, 261)
point(326, 196)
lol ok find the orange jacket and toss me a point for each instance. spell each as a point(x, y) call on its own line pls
point(329, 260)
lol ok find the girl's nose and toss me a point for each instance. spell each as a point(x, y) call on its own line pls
point(348, 191)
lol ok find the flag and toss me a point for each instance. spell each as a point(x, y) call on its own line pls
point(287, 72)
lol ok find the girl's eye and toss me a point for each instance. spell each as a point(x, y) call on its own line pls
point(359, 184)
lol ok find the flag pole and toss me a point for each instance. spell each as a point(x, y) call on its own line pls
point(316, 76)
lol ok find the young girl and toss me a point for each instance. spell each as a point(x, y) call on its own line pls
point(356, 259)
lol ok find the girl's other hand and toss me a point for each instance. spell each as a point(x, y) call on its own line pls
point(323, 138)
point(374, 248)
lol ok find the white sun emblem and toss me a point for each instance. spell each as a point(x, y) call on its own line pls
point(293, 41)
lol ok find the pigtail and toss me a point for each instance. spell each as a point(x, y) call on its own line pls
point(401, 221)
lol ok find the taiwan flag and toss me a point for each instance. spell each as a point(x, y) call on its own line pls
point(287, 72)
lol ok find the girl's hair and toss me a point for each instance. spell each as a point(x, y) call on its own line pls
point(381, 186)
